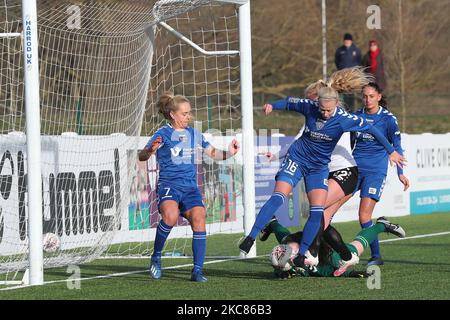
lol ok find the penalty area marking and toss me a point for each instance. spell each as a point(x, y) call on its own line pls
point(208, 262)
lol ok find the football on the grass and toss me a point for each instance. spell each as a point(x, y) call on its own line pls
point(281, 257)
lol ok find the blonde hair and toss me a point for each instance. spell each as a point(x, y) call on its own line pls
point(313, 88)
point(168, 103)
point(328, 93)
point(343, 81)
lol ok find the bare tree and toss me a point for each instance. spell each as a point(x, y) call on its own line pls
point(414, 39)
point(415, 45)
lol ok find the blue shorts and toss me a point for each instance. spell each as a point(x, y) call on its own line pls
point(187, 198)
point(292, 172)
point(371, 185)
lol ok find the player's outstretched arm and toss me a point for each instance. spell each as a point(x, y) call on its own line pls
point(217, 154)
point(267, 109)
point(354, 123)
point(290, 104)
point(398, 159)
point(395, 136)
point(405, 181)
point(146, 153)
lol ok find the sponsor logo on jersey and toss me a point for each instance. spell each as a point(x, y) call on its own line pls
point(320, 124)
point(317, 136)
point(175, 151)
point(364, 136)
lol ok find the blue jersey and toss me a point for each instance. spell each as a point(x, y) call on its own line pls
point(177, 155)
point(369, 154)
point(313, 149)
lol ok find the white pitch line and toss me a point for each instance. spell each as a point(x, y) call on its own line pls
point(208, 262)
point(129, 273)
point(163, 257)
point(417, 237)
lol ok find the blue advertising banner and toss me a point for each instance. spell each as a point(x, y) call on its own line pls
point(423, 202)
point(289, 214)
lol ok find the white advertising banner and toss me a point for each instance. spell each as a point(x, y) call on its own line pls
point(82, 177)
point(93, 185)
point(428, 170)
point(429, 167)
point(84, 184)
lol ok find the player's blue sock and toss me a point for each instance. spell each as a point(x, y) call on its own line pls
point(199, 249)
point(162, 232)
point(375, 245)
point(266, 213)
point(311, 228)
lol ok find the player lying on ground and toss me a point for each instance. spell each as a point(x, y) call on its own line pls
point(330, 263)
point(342, 177)
point(308, 157)
point(344, 180)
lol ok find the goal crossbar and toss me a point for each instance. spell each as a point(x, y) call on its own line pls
point(194, 45)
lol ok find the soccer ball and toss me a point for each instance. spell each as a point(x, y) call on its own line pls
point(281, 257)
point(51, 242)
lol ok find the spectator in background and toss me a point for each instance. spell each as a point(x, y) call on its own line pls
point(373, 62)
point(347, 56)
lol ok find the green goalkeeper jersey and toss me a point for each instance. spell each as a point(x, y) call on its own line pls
point(328, 269)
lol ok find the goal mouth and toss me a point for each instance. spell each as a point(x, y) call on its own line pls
point(99, 83)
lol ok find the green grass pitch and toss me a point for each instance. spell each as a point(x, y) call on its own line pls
point(416, 268)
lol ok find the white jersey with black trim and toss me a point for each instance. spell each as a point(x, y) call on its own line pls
point(341, 157)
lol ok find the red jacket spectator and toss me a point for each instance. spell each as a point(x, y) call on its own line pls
point(373, 61)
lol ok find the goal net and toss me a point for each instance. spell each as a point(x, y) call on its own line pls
point(211, 83)
point(102, 66)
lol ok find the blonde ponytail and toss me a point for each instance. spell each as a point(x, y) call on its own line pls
point(347, 80)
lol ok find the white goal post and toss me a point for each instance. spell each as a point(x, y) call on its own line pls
point(53, 98)
point(33, 133)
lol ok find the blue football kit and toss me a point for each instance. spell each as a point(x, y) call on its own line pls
point(309, 155)
point(177, 165)
point(372, 160)
point(371, 157)
point(177, 181)
point(308, 158)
